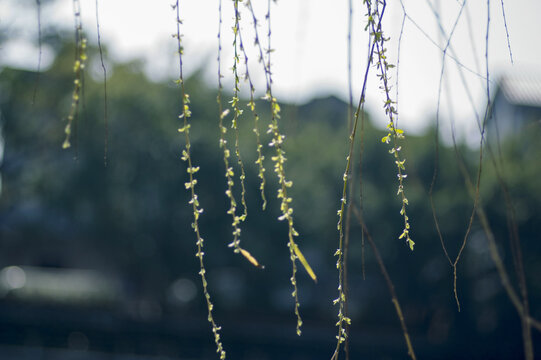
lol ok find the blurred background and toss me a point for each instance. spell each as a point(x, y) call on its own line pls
point(98, 262)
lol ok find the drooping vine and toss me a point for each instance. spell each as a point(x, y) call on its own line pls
point(520, 302)
point(252, 106)
point(105, 117)
point(229, 172)
point(343, 320)
point(260, 156)
point(376, 45)
point(453, 263)
point(190, 186)
point(351, 188)
point(78, 68)
point(394, 135)
point(507, 32)
point(237, 112)
point(279, 161)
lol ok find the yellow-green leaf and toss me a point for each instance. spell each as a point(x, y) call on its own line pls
point(304, 263)
point(251, 259)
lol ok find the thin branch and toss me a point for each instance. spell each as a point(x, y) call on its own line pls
point(190, 186)
point(436, 159)
point(351, 189)
point(342, 316)
point(429, 38)
point(105, 117)
point(389, 283)
point(507, 33)
point(40, 39)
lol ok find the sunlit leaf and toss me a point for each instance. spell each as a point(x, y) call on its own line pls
point(304, 263)
point(251, 259)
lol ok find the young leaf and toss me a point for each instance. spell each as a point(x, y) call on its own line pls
point(251, 259)
point(304, 263)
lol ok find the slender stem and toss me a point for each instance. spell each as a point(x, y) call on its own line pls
point(106, 120)
point(389, 283)
point(40, 40)
point(190, 185)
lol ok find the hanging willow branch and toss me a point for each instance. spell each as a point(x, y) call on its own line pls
point(229, 171)
point(279, 161)
point(190, 185)
point(237, 112)
point(394, 135)
point(78, 68)
point(343, 320)
point(252, 106)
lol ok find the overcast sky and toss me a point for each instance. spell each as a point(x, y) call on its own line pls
point(310, 42)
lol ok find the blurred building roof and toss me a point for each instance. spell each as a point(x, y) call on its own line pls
point(522, 88)
point(516, 103)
